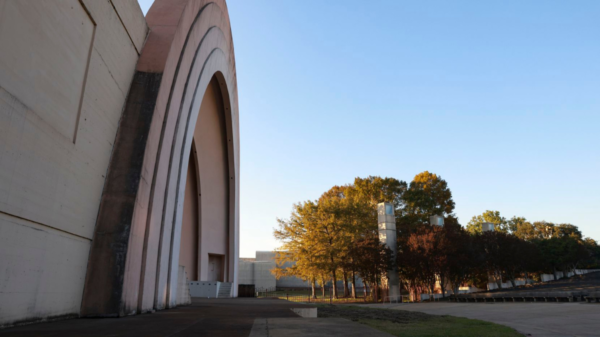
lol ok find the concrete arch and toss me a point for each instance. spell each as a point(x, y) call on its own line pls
point(135, 253)
point(210, 155)
point(191, 227)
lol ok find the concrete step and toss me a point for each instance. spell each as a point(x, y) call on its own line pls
point(224, 290)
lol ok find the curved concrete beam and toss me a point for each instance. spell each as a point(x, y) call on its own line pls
point(135, 252)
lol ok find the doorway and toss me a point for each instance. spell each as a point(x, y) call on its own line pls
point(216, 267)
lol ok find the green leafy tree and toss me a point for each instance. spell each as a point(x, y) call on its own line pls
point(514, 223)
point(593, 260)
point(427, 195)
point(420, 260)
point(568, 230)
point(372, 259)
point(525, 231)
point(490, 244)
point(501, 225)
point(543, 229)
point(561, 253)
point(299, 254)
point(374, 190)
point(463, 260)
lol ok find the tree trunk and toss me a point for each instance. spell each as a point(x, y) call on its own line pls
point(345, 283)
point(498, 279)
point(432, 294)
point(376, 292)
point(334, 286)
point(323, 286)
point(455, 287)
point(366, 288)
point(353, 285)
point(443, 284)
point(314, 288)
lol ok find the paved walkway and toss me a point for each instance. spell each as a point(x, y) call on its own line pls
point(533, 319)
point(205, 317)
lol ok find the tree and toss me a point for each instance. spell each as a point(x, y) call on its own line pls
point(513, 257)
point(427, 195)
point(525, 231)
point(561, 253)
point(363, 197)
point(543, 229)
point(568, 230)
point(462, 258)
point(372, 260)
point(299, 254)
point(335, 230)
point(374, 190)
point(593, 261)
point(492, 253)
point(501, 225)
point(514, 223)
point(421, 259)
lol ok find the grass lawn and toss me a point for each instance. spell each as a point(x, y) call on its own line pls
point(409, 323)
point(302, 295)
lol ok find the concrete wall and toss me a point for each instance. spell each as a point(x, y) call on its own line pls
point(263, 278)
point(284, 282)
point(203, 289)
point(98, 117)
point(183, 288)
point(258, 272)
point(65, 70)
point(246, 272)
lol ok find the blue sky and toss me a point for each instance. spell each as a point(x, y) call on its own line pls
point(500, 98)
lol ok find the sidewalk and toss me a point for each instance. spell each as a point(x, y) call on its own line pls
point(205, 317)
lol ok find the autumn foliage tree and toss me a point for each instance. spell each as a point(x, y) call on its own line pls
point(372, 259)
point(427, 195)
point(335, 238)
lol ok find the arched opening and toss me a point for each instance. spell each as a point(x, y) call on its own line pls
point(205, 222)
point(190, 229)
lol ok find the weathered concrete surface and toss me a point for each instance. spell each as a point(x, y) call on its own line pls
point(534, 319)
point(205, 317)
point(312, 327)
point(306, 312)
point(135, 253)
point(65, 70)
